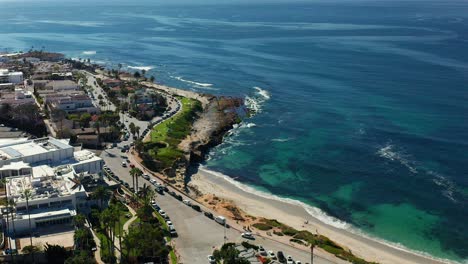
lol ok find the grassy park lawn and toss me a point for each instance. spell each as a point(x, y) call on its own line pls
point(171, 132)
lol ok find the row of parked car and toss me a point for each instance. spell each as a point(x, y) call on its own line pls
point(279, 256)
point(111, 174)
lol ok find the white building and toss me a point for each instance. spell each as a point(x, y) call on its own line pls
point(52, 172)
point(47, 151)
point(10, 77)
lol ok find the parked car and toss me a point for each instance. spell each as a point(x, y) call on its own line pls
point(272, 255)
point(220, 220)
point(179, 197)
point(209, 215)
point(289, 260)
point(187, 202)
point(173, 231)
point(262, 251)
point(281, 257)
point(146, 176)
point(247, 235)
point(196, 207)
point(211, 259)
point(124, 164)
point(171, 193)
point(162, 213)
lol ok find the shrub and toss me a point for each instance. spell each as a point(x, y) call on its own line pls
point(262, 226)
point(247, 245)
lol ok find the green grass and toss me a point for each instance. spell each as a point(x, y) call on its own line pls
point(173, 257)
point(172, 131)
point(262, 226)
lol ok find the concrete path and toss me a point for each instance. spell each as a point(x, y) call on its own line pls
point(97, 253)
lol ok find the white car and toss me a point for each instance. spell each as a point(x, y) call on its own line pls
point(162, 213)
point(247, 235)
point(152, 181)
point(272, 255)
point(289, 260)
point(187, 202)
point(211, 259)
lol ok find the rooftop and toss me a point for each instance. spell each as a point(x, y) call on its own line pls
point(17, 149)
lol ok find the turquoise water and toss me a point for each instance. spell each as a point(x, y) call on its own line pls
point(361, 106)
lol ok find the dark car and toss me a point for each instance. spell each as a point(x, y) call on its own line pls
point(209, 215)
point(196, 207)
point(165, 188)
point(281, 257)
point(179, 197)
point(171, 193)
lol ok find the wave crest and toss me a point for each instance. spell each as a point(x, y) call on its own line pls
point(389, 152)
point(192, 82)
point(255, 102)
point(146, 68)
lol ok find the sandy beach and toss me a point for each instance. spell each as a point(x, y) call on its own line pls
point(294, 215)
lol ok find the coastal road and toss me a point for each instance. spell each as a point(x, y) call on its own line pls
point(198, 235)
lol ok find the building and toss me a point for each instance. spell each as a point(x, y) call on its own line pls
point(10, 77)
point(72, 104)
point(47, 151)
point(47, 176)
point(16, 98)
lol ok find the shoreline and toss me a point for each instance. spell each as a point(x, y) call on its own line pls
point(294, 214)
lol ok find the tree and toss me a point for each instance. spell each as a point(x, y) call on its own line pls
point(144, 242)
point(132, 128)
point(137, 75)
point(135, 173)
point(80, 258)
point(85, 118)
point(100, 193)
point(55, 254)
point(152, 78)
point(137, 131)
point(79, 220)
point(139, 146)
point(27, 195)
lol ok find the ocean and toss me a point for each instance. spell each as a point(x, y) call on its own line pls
point(360, 106)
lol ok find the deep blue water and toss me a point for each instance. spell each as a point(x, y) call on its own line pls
point(362, 107)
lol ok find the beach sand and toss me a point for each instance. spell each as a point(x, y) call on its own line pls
point(295, 215)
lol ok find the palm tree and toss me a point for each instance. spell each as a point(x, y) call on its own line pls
point(79, 220)
point(100, 193)
point(146, 193)
point(132, 128)
point(135, 172)
point(137, 131)
point(28, 194)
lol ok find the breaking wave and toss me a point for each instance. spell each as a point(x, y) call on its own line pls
point(192, 82)
point(313, 211)
point(255, 102)
point(389, 152)
point(449, 188)
point(89, 52)
point(146, 68)
point(281, 139)
point(323, 217)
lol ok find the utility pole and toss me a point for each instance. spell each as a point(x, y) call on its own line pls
point(312, 253)
point(225, 237)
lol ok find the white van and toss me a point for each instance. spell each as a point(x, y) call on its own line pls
point(220, 219)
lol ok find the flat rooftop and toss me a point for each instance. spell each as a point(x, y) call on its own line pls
point(19, 149)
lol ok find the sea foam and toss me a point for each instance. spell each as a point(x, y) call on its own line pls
point(256, 101)
point(389, 152)
point(89, 52)
point(192, 82)
point(321, 216)
point(146, 68)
